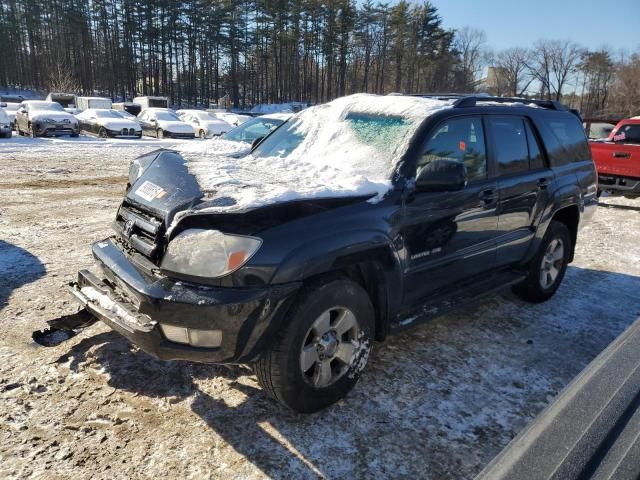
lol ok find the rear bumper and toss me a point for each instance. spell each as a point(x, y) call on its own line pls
point(620, 185)
point(134, 303)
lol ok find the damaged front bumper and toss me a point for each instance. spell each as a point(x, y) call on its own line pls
point(142, 306)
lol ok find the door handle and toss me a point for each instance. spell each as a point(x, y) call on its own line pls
point(621, 155)
point(543, 183)
point(488, 196)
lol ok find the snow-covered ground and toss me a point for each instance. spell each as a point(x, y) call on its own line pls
point(437, 402)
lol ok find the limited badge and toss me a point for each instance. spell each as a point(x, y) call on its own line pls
point(150, 191)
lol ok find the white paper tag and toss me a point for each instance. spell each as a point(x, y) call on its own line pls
point(149, 191)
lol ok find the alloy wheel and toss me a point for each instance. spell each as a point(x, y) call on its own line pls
point(551, 263)
point(329, 347)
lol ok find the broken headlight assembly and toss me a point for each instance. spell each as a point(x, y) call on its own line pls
point(208, 253)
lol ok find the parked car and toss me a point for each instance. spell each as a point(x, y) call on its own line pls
point(256, 128)
point(204, 125)
point(11, 109)
point(8, 98)
point(108, 123)
point(233, 119)
point(598, 129)
point(152, 102)
point(67, 100)
point(5, 124)
point(354, 220)
point(618, 159)
point(162, 122)
point(38, 118)
point(85, 103)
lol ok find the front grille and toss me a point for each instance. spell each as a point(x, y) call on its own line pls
point(125, 131)
point(140, 230)
point(132, 131)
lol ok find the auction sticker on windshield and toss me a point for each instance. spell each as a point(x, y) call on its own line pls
point(150, 191)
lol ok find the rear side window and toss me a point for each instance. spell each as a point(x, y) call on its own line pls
point(511, 149)
point(627, 134)
point(460, 140)
point(565, 139)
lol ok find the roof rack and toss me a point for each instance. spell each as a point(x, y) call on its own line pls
point(463, 100)
point(472, 100)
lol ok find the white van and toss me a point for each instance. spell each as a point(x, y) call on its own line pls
point(152, 102)
point(84, 103)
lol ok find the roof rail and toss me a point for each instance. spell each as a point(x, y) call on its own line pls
point(472, 100)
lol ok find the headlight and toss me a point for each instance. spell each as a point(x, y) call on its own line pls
point(139, 165)
point(208, 253)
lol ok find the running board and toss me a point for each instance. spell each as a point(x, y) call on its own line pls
point(452, 300)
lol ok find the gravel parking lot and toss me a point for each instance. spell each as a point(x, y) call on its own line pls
point(437, 402)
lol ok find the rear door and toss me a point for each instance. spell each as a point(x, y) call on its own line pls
point(524, 177)
point(450, 236)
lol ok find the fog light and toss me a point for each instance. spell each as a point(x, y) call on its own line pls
point(175, 334)
point(205, 338)
point(196, 338)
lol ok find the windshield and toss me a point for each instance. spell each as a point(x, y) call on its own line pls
point(203, 116)
point(108, 114)
point(252, 129)
point(167, 116)
point(48, 106)
point(382, 133)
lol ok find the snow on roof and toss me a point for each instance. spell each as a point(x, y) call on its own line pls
point(275, 116)
point(348, 147)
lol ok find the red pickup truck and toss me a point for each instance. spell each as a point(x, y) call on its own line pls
point(617, 159)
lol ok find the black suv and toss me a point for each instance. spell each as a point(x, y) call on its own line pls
point(481, 193)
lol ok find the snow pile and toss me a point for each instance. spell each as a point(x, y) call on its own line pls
point(348, 147)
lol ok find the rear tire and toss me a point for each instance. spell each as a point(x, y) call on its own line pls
point(319, 355)
point(202, 135)
point(32, 132)
point(102, 133)
point(547, 269)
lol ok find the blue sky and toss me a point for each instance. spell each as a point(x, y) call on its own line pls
point(591, 23)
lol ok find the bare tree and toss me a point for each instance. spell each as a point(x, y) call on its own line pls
point(61, 80)
point(552, 63)
point(514, 76)
point(471, 46)
point(598, 71)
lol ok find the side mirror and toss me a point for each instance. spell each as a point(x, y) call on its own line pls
point(255, 143)
point(442, 175)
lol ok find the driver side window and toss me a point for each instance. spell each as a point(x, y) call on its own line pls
point(460, 140)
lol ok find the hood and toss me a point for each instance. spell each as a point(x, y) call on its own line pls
point(175, 126)
point(118, 124)
point(53, 115)
point(169, 190)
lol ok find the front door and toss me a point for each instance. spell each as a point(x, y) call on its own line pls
point(450, 236)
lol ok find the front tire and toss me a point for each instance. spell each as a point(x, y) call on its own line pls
point(102, 133)
point(202, 135)
point(160, 133)
point(321, 352)
point(547, 269)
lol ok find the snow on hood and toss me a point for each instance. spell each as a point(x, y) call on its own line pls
point(51, 114)
point(339, 153)
point(175, 126)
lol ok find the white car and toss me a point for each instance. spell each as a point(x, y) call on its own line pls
point(108, 123)
point(38, 118)
point(233, 119)
point(5, 124)
point(11, 108)
point(162, 122)
point(203, 123)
